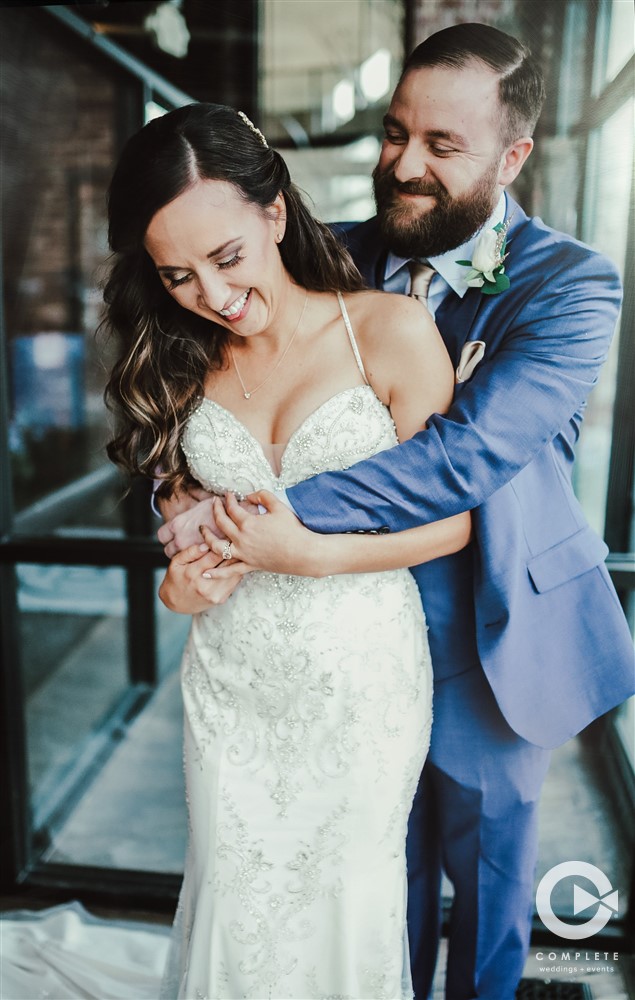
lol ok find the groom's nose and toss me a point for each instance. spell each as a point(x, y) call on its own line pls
point(411, 163)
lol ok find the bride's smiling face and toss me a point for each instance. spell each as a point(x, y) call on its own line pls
point(217, 255)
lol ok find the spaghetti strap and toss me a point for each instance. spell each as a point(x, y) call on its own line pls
point(351, 337)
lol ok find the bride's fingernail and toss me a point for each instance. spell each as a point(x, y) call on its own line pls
point(208, 576)
point(203, 547)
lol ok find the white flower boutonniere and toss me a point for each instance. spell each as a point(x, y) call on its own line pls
point(488, 263)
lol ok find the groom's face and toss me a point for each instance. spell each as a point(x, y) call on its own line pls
point(439, 173)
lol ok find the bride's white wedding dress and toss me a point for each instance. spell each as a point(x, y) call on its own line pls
point(307, 720)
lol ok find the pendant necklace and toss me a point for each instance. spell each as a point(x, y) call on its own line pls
point(249, 393)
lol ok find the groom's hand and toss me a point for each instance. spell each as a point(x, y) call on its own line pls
point(184, 513)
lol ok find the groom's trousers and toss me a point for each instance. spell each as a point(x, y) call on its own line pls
point(474, 816)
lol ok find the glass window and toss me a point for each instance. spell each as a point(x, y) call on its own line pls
point(98, 747)
point(326, 84)
point(73, 633)
point(620, 40)
point(59, 143)
point(337, 181)
point(605, 222)
point(101, 742)
point(614, 40)
point(571, 83)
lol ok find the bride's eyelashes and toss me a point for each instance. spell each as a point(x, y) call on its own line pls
point(232, 261)
point(175, 282)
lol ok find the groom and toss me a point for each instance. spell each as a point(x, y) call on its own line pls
point(528, 640)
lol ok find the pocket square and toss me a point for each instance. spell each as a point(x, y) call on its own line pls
point(472, 353)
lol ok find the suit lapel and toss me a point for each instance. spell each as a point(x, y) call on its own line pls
point(455, 319)
point(457, 316)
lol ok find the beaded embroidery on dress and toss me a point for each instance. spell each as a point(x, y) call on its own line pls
point(307, 720)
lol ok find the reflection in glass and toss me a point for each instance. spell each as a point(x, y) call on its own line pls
point(614, 41)
point(320, 73)
point(571, 83)
point(620, 42)
point(337, 179)
point(605, 218)
point(330, 78)
point(72, 626)
point(59, 143)
point(104, 756)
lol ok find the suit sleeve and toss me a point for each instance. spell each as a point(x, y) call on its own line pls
point(539, 377)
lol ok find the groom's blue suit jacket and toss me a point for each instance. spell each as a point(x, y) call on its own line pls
point(550, 632)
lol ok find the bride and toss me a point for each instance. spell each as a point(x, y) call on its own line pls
point(252, 359)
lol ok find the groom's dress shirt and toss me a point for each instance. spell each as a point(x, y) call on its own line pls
point(450, 276)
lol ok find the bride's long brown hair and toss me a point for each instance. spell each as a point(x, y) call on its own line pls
point(166, 350)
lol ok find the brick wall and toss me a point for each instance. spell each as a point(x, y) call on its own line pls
point(58, 122)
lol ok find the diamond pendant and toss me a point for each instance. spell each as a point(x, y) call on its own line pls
point(247, 395)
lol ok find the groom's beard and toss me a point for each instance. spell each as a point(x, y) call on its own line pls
point(448, 224)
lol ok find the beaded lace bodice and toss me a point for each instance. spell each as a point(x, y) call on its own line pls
point(223, 455)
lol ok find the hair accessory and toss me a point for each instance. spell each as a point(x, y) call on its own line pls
point(248, 122)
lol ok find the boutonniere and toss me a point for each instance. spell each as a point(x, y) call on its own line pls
point(488, 263)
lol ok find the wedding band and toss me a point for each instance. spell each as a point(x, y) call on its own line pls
point(227, 551)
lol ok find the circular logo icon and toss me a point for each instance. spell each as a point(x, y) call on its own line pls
point(605, 902)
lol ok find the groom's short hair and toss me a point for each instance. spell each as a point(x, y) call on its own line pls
point(521, 89)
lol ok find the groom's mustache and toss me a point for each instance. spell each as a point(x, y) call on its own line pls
point(387, 184)
point(419, 188)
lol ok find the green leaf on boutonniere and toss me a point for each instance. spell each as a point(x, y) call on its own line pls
point(501, 284)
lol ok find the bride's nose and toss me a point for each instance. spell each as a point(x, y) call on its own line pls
point(213, 291)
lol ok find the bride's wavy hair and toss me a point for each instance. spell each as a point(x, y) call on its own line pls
point(166, 350)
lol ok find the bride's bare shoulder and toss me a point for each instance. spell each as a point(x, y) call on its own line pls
point(379, 318)
point(396, 334)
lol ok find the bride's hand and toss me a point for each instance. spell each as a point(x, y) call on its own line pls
point(277, 542)
point(188, 586)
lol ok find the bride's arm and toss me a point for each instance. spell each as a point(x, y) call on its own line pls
point(279, 543)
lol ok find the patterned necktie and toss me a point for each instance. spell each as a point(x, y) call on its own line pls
point(421, 276)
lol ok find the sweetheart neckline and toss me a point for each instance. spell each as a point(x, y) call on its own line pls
point(294, 434)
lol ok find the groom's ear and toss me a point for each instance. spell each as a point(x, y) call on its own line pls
point(513, 159)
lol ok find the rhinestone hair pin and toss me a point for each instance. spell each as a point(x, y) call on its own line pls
point(253, 128)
